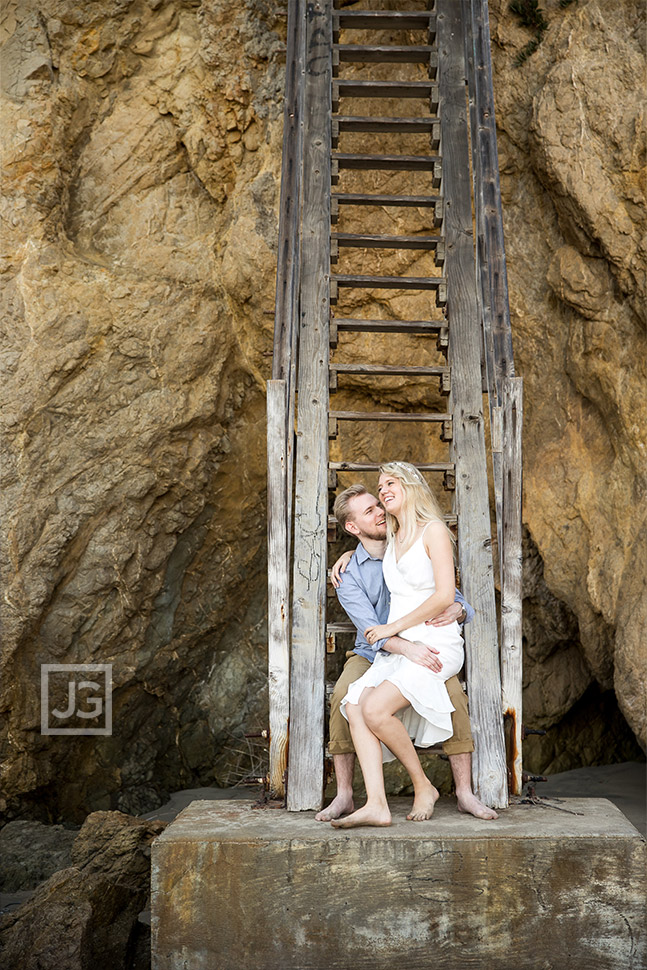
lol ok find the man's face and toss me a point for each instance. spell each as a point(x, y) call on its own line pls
point(367, 519)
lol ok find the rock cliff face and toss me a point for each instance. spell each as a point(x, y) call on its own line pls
point(572, 158)
point(141, 154)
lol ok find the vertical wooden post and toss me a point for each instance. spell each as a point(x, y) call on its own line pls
point(475, 80)
point(511, 577)
point(490, 248)
point(286, 318)
point(278, 589)
point(474, 538)
point(281, 398)
point(305, 771)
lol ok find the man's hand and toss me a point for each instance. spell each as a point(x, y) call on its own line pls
point(340, 567)
point(423, 654)
point(454, 613)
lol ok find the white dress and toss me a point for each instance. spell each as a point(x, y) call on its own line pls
point(428, 719)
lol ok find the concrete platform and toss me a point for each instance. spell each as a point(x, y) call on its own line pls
point(236, 887)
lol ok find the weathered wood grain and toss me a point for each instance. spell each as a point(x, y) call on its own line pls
point(426, 327)
point(412, 201)
point(472, 506)
point(384, 20)
point(305, 762)
point(278, 586)
point(490, 248)
point(382, 89)
point(504, 394)
point(388, 416)
point(389, 282)
point(391, 163)
point(286, 317)
point(511, 576)
point(383, 53)
point(374, 241)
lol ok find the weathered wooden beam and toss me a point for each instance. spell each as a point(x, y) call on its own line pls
point(287, 276)
point(278, 586)
point(472, 506)
point(490, 248)
point(489, 210)
point(511, 577)
point(483, 291)
point(305, 762)
point(286, 318)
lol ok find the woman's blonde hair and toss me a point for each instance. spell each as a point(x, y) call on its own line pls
point(419, 504)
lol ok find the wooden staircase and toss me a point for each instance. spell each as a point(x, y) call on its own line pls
point(467, 317)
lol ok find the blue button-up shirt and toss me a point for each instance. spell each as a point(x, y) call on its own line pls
point(366, 599)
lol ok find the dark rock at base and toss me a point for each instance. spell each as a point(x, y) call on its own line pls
point(87, 915)
point(31, 852)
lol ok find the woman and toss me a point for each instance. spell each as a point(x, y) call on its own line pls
point(396, 701)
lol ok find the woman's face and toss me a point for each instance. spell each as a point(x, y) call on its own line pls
point(390, 494)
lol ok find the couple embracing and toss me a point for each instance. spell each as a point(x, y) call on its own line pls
point(399, 686)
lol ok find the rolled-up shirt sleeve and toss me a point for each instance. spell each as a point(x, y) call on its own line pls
point(359, 609)
point(469, 610)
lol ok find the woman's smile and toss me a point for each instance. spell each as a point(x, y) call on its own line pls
point(390, 493)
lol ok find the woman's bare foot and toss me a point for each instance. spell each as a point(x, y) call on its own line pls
point(367, 815)
point(471, 805)
point(423, 804)
point(341, 804)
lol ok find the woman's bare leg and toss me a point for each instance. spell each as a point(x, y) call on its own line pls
point(379, 709)
point(369, 752)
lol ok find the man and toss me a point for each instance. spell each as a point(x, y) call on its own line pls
point(365, 598)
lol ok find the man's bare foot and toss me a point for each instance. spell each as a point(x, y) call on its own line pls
point(367, 815)
point(340, 805)
point(423, 804)
point(471, 805)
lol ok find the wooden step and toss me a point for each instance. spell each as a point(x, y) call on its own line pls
point(385, 54)
point(354, 240)
point(386, 163)
point(346, 88)
point(399, 417)
point(341, 627)
point(351, 240)
point(384, 20)
point(393, 163)
point(352, 281)
point(410, 126)
point(447, 469)
point(407, 126)
point(390, 370)
point(428, 328)
point(350, 325)
point(352, 88)
point(433, 202)
point(407, 416)
point(397, 163)
point(406, 201)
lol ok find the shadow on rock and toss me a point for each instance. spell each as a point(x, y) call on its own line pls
point(87, 915)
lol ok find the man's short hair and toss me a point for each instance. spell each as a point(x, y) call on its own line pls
point(341, 509)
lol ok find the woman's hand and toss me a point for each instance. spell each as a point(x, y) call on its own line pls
point(380, 632)
point(340, 567)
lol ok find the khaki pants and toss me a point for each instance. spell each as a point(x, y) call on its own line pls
point(340, 739)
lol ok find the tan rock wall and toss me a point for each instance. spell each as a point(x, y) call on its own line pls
point(572, 153)
point(141, 157)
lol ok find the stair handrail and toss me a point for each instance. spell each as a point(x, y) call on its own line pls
point(281, 395)
point(504, 389)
